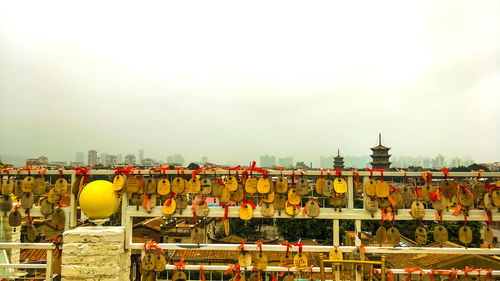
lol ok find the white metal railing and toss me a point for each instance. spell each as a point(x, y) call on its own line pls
point(45, 246)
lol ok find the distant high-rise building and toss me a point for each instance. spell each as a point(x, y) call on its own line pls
point(92, 158)
point(119, 158)
point(204, 160)
point(175, 159)
point(380, 156)
point(338, 162)
point(440, 161)
point(110, 160)
point(141, 155)
point(267, 161)
point(130, 159)
point(285, 162)
point(80, 158)
point(102, 158)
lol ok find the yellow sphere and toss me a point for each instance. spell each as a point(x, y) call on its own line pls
point(98, 200)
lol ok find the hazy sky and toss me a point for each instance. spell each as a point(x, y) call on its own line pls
point(234, 80)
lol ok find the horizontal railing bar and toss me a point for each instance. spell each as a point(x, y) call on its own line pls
point(459, 272)
point(187, 173)
point(46, 246)
point(324, 249)
point(23, 265)
point(325, 213)
point(353, 261)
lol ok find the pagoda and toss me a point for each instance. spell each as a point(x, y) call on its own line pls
point(338, 163)
point(380, 156)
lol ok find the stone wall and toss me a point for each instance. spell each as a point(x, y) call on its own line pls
point(95, 253)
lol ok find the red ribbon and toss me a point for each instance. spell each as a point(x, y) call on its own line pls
point(58, 250)
point(338, 172)
point(169, 200)
point(249, 202)
point(371, 172)
point(232, 268)
point(300, 246)
point(355, 173)
point(226, 209)
point(242, 245)
point(202, 273)
point(293, 179)
point(259, 244)
point(361, 249)
point(251, 168)
point(232, 169)
point(180, 265)
point(381, 173)
point(194, 172)
point(445, 172)
point(288, 246)
point(82, 171)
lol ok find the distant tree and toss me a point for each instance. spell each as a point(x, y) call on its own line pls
point(243, 229)
point(453, 229)
point(475, 167)
point(193, 166)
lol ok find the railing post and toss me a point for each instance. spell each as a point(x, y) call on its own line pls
point(350, 193)
point(382, 269)
point(321, 267)
point(72, 217)
point(48, 269)
point(336, 238)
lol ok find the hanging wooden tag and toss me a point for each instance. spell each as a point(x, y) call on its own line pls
point(282, 185)
point(450, 202)
point(31, 233)
point(340, 185)
point(53, 197)
point(338, 200)
point(160, 263)
point(150, 186)
point(251, 185)
point(302, 186)
point(46, 208)
point(225, 195)
point(148, 261)
point(194, 185)
point(267, 210)
point(421, 235)
point(118, 182)
point(269, 197)
point(279, 201)
point(465, 234)
point(58, 217)
point(312, 208)
point(254, 276)
point(170, 208)
point(244, 259)
point(357, 255)
point(227, 227)
point(15, 218)
point(27, 201)
point(291, 209)
point(206, 186)
point(393, 236)
point(202, 209)
point(478, 190)
point(293, 197)
point(465, 198)
point(371, 205)
point(495, 197)
point(381, 235)
point(384, 202)
point(216, 189)
point(417, 210)
point(177, 185)
point(426, 192)
point(327, 189)
point(179, 276)
point(238, 194)
point(382, 189)
point(397, 196)
point(136, 200)
point(289, 277)
point(28, 184)
point(448, 188)
point(408, 196)
point(487, 201)
point(18, 191)
point(335, 254)
point(371, 188)
point(300, 261)
point(132, 184)
point(231, 183)
point(7, 187)
point(163, 187)
point(319, 185)
point(181, 202)
point(440, 234)
point(487, 235)
point(5, 203)
point(148, 275)
point(439, 204)
point(197, 236)
point(246, 212)
point(260, 261)
point(75, 187)
point(286, 260)
point(61, 186)
point(263, 185)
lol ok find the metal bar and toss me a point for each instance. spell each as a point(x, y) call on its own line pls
point(350, 193)
point(336, 235)
point(325, 213)
point(357, 232)
point(46, 246)
point(472, 273)
point(352, 261)
point(48, 270)
point(322, 267)
point(382, 268)
point(73, 213)
point(324, 249)
point(225, 267)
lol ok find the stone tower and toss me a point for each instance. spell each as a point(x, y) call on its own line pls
point(338, 162)
point(380, 156)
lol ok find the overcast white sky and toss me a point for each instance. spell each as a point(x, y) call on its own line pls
point(234, 80)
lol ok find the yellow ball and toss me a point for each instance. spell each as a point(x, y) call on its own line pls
point(98, 200)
